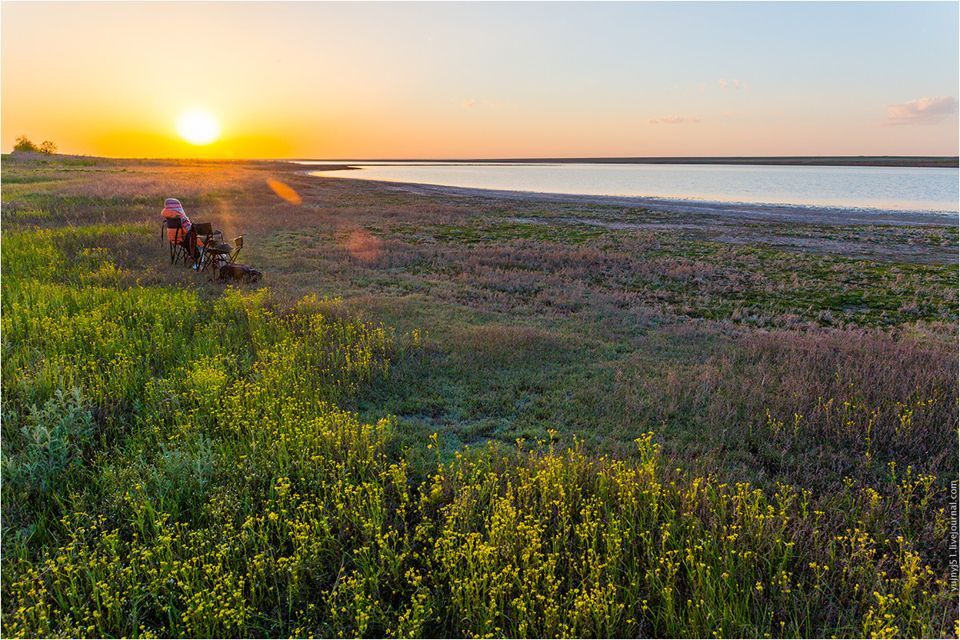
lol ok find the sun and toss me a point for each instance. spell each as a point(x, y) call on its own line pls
point(198, 127)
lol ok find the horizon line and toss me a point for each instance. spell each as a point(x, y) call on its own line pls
point(891, 160)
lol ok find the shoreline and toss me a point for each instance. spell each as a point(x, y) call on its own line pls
point(951, 162)
point(704, 209)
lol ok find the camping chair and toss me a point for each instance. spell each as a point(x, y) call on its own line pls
point(177, 243)
point(218, 254)
point(205, 236)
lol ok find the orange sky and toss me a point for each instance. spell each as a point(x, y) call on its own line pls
point(492, 80)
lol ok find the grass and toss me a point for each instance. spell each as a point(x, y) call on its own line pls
point(513, 231)
point(440, 422)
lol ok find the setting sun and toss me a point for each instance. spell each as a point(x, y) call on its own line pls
point(198, 127)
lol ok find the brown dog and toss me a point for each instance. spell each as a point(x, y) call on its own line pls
point(239, 273)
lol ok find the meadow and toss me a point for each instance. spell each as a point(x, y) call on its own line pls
point(467, 416)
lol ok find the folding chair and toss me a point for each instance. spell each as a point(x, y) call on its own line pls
point(218, 254)
point(177, 243)
point(237, 245)
point(202, 232)
point(204, 238)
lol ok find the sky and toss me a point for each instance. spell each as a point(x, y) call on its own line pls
point(483, 80)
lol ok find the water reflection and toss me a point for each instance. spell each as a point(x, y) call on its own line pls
point(884, 188)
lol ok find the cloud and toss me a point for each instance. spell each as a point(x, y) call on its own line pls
point(469, 103)
point(922, 111)
point(734, 85)
point(675, 120)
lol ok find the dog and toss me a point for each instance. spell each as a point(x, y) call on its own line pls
point(239, 273)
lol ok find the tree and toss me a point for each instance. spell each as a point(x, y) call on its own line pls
point(48, 147)
point(23, 144)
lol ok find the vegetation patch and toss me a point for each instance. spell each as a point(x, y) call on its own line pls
point(30, 178)
point(557, 439)
point(498, 231)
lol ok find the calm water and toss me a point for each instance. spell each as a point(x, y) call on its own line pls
point(884, 188)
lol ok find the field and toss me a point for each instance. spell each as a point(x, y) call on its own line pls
point(467, 416)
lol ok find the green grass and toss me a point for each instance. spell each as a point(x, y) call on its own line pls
point(755, 284)
point(177, 464)
point(499, 231)
point(487, 427)
point(27, 179)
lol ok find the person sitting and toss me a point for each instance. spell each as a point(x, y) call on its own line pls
point(173, 209)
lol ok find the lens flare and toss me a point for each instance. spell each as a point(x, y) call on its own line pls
point(363, 246)
point(284, 191)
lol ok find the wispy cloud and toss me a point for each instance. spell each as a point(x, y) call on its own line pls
point(675, 120)
point(469, 103)
point(922, 111)
point(733, 85)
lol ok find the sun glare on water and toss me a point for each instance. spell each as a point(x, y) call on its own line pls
point(198, 127)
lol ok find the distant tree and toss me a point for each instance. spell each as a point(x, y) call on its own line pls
point(24, 144)
point(48, 147)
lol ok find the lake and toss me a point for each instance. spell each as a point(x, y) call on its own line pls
point(932, 190)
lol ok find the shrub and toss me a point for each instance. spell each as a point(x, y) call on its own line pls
point(24, 145)
point(53, 440)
